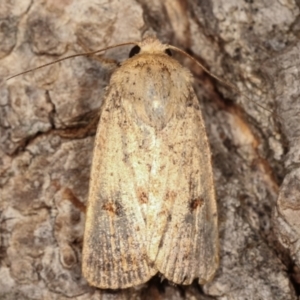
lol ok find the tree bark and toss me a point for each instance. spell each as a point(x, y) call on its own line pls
point(46, 139)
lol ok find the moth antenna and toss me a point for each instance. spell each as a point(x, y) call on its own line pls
point(218, 78)
point(70, 56)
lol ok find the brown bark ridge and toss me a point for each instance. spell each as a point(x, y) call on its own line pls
point(46, 149)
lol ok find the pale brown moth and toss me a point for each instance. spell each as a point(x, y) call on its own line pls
point(151, 206)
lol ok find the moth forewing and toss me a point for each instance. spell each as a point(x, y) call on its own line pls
point(151, 206)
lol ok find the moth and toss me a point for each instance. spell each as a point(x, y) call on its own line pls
point(151, 205)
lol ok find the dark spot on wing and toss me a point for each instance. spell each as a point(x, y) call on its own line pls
point(142, 196)
point(195, 203)
point(113, 208)
point(170, 195)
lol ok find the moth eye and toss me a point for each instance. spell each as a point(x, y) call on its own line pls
point(135, 50)
point(169, 52)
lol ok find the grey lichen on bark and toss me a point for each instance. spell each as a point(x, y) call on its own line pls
point(251, 44)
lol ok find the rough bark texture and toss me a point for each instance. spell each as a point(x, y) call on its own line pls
point(44, 147)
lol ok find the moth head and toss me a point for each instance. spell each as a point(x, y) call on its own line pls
point(150, 45)
point(137, 49)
